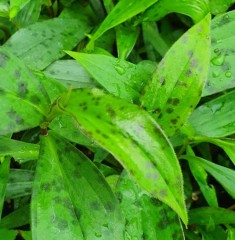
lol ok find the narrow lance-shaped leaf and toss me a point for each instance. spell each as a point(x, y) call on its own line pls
point(225, 176)
point(40, 44)
point(18, 149)
point(176, 86)
point(24, 101)
point(196, 9)
point(227, 144)
point(70, 73)
point(215, 118)
point(221, 74)
point(24, 13)
point(126, 39)
point(146, 217)
point(120, 13)
point(71, 196)
point(203, 215)
point(119, 77)
point(134, 138)
point(4, 172)
point(200, 176)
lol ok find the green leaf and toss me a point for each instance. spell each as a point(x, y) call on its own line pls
point(215, 118)
point(203, 215)
point(4, 172)
point(176, 85)
point(19, 184)
point(227, 144)
point(18, 150)
point(8, 234)
point(70, 73)
point(71, 196)
point(24, 102)
point(24, 13)
point(16, 219)
point(225, 176)
point(153, 38)
point(131, 134)
point(200, 176)
point(119, 77)
point(126, 39)
point(146, 217)
point(196, 9)
point(220, 6)
point(66, 126)
point(222, 66)
point(123, 11)
point(42, 43)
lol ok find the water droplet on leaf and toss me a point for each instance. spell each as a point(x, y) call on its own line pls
point(218, 60)
point(228, 74)
point(120, 69)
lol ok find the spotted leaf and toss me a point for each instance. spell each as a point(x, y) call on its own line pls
point(146, 217)
point(176, 85)
point(24, 101)
point(40, 44)
point(71, 196)
point(134, 138)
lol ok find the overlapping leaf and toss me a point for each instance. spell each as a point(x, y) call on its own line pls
point(196, 9)
point(176, 86)
point(124, 10)
point(227, 144)
point(71, 196)
point(204, 215)
point(24, 102)
point(17, 149)
point(40, 44)
point(215, 118)
point(134, 138)
point(4, 172)
point(200, 176)
point(24, 13)
point(222, 67)
point(119, 77)
point(70, 73)
point(146, 217)
point(225, 176)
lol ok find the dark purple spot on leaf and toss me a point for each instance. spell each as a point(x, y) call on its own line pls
point(190, 53)
point(170, 110)
point(62, 224)
point(46, 187)
point(189, 73)
point(194, 63)
point(174, 121)
point(3, 59)
point(22, 89)
point(17, 74)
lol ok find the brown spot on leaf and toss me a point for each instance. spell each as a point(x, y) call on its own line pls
point(174, 121)
point(170, 110)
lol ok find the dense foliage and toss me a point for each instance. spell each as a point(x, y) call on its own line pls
point(117, 119)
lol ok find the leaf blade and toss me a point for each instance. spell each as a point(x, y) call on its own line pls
point(128, 126)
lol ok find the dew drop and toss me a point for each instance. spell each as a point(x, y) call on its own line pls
point(215, 74)
point(99, 235)
point(120, 69)
point(216, 50)
point(219, 41)
point(218, 60)
point(228, 74)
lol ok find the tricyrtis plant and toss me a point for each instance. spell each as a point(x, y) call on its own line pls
point(95, 148)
